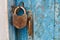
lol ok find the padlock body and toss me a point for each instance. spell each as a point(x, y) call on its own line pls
point(20, 21)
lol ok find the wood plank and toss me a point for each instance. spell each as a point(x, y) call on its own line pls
point(11, 27)
point(43, 15)
point(17, 34)
point(57, 20)
point(22, 34)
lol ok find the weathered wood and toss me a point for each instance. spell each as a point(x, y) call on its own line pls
point(43, 16)
point(10, 26)
point(57, 20)
point(46, 20)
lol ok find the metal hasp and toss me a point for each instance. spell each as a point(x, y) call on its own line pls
point(30, 26)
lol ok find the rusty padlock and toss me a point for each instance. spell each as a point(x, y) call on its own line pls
point(19, 21)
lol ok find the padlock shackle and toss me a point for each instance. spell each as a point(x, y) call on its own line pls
point(21, 7)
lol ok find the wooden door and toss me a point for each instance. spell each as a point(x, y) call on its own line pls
point(46, 20)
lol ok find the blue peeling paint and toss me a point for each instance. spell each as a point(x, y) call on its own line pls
point(46, 19)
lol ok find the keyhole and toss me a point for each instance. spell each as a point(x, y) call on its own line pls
point(20, 12)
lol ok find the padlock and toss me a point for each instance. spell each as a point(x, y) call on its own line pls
point(19, 21)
